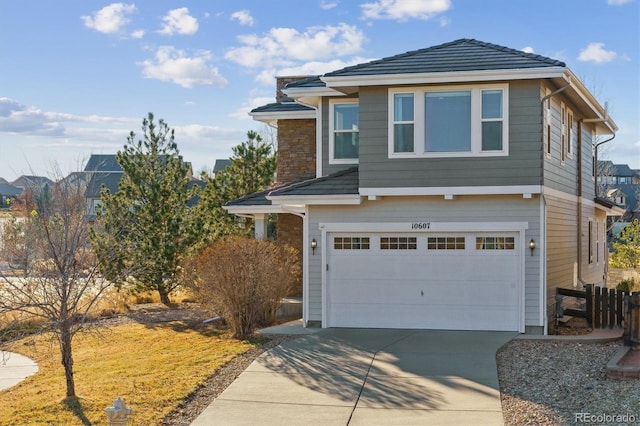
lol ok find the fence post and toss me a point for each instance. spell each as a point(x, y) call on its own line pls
point(619, 304)
point(632, 324)
point(589, 302)
point(596, 309)
point(612, 308)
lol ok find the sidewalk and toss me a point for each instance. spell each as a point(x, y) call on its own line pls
point(14, 368)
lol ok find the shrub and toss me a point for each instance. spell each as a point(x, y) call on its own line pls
point(627, 285)
point(243, 280)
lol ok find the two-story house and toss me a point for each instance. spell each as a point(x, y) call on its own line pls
point(452, 187)
point(620, 184)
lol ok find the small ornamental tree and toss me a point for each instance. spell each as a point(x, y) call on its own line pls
point(244, 280)
point(148, 220)
point(63, 284)
point(626, 249)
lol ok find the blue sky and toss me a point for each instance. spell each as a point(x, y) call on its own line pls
point(77, 75)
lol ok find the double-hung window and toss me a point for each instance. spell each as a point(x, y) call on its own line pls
point(449, 121)
point(344, 131)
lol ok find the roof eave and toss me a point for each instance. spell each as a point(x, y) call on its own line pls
point(601, 115)
point(443, 77)
point(271, 118)
point(337, 199)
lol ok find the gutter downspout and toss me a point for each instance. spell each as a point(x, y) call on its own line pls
point(543, 219)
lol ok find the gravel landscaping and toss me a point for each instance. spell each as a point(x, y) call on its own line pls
point(558, 383)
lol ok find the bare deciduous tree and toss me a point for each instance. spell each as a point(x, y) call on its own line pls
point(63, 284)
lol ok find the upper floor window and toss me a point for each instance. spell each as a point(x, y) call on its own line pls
point(447, 122)
point(344, 131)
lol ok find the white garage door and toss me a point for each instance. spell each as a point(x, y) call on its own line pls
point(455, 281)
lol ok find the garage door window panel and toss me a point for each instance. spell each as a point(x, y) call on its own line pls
point(445, 243)
point(351, 243)
point(398, 243)
point(495, 243)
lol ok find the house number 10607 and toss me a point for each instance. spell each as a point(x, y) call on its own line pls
point(420, 225)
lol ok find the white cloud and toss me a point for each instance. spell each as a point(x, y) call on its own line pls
point(174, 65)
point(244, 17)
point(178, 21)
point(17, 118)
point(403, 10)
point(445, 22)
point(618, 2)
point(527, 49)
point(284, 46)
point(326, 4)
point(595, 52)
point(110, 19)
point(137, 34)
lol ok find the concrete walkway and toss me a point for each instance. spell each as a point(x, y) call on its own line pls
point(14, 368)
point(368, 377)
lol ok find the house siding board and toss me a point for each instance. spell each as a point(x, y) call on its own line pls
point(377, 170)
point(408, 209)
point(562, 175)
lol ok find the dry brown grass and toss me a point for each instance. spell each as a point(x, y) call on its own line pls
point(153, 367)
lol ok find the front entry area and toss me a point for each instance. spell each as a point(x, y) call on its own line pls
point(450, 281)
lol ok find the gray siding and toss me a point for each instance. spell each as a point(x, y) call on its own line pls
point(409, 209)
point(562, 241)
point(563, 175)
point(521, 167)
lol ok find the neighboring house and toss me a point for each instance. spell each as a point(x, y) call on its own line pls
point(220, 165)
point(453, 188)
point(105, 171)
point(32, 182)
point(621, 185)
point(8, 193)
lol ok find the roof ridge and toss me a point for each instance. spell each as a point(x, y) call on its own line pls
point(460, 41)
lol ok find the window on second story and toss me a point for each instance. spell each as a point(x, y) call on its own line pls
point(448, 122)
point(343, 131)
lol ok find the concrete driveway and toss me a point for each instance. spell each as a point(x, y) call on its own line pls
point(368, 377)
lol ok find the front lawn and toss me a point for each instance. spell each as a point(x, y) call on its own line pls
point(152, 367)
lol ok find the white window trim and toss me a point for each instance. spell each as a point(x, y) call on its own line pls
point(547, 130)
point(571, 132)
point(476, 122)
point(563, 133)
point(332, 160)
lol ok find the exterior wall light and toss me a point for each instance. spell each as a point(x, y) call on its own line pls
point(314, 244)
point(532, 246)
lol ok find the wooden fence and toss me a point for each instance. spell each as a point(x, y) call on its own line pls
point(606, 308)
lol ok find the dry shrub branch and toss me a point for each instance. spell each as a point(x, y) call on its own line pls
point(244, 280)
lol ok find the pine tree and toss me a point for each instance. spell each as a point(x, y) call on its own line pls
point(148, 218)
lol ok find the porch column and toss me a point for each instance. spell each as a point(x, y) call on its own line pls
point(260, 226)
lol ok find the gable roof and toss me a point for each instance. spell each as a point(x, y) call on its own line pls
point(102, 163)
point(459, 55)
point(281, 107)
point(26, 181)
point(110, 180)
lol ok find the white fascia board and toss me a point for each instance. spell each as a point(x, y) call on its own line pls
point(267, 117)
point(346, 199)
point(590, 100)
point(454, 190)
point(299, 92)
point(253, 209)
point(444, 77)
